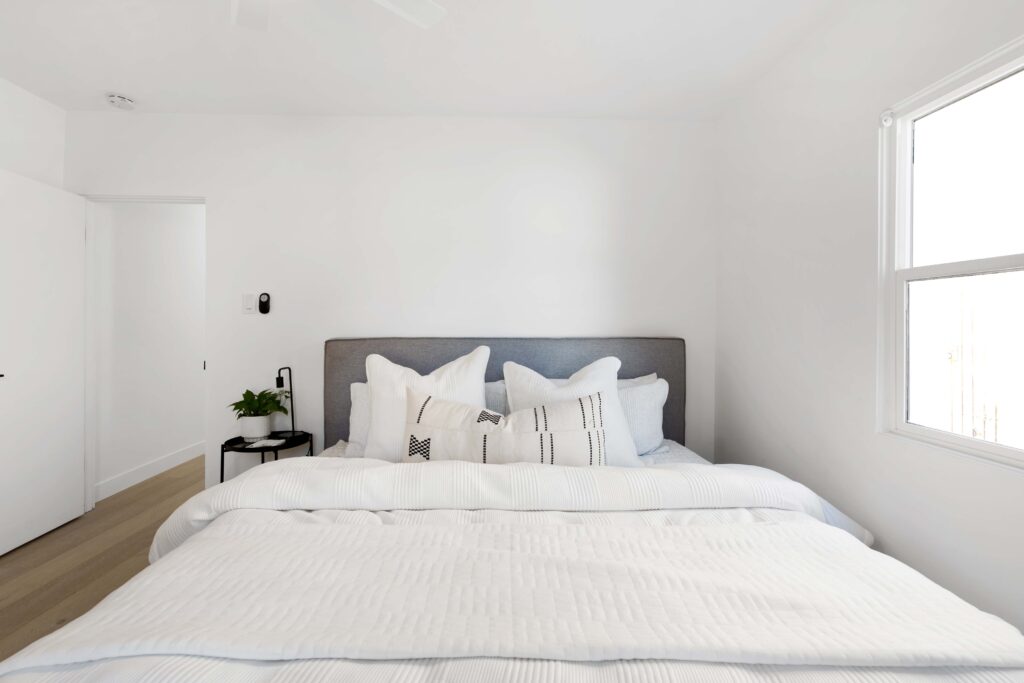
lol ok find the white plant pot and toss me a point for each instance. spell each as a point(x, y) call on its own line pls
point(255, 428)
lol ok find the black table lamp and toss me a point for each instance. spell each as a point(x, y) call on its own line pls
point(291, 393)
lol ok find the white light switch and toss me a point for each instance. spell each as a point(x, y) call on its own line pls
point(249, 304)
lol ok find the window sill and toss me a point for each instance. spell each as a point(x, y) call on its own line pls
point(962, 445)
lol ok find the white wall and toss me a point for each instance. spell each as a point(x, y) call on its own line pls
point(148, 286)
point(31, 135)
point(406, 226)
point(797, 297)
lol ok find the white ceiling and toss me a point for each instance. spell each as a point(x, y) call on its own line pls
point(631, 58)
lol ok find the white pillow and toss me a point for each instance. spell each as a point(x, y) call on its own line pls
point(622, 383)
point(461, 380)
point(495, 398)
point(528, 389)
point(644, 407)
point(564, 433)
point(642, 401)
point(358, 420)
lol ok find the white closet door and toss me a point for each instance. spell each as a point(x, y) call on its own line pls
point(42, 340)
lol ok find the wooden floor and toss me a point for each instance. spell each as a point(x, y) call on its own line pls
point(57, 577)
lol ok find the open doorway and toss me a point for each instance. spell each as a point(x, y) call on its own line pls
point(145, 331)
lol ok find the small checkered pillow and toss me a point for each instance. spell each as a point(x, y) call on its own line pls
point(566, 433)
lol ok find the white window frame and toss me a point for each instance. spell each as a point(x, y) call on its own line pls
point(895, 269)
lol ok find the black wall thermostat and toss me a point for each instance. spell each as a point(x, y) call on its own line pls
point(264, 303)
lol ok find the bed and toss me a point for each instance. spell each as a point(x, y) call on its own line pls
point(317, 569)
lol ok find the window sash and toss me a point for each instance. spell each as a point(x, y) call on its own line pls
point(1001, 452)
point(895, 269)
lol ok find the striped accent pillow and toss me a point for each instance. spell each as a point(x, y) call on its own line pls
point(565, 433)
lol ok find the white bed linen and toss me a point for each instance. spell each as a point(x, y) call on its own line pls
point(760, 585)
point(182, 669)
point(338, 450)
point(376, 485)
point(672, 453)
point(669, 452)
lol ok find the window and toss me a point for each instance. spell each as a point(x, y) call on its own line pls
point(952, 260)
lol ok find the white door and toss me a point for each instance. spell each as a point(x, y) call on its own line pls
point(42, 358)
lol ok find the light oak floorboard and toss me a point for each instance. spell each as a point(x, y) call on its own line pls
point(59, 576)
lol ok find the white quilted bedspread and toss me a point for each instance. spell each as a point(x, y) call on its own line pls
point(365, 484)
point(729, 565)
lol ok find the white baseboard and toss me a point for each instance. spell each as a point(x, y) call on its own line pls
point(120, 482)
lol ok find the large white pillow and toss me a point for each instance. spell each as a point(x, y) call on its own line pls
point(461, 380)
point(528, 389)
point(644, 407)
point(642, 398)
point(564, 433)
point(497, 399)
point(358, 420)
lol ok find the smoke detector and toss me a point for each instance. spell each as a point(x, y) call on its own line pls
point(120, 101)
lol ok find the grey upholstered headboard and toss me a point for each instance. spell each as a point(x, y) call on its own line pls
point(345, 363)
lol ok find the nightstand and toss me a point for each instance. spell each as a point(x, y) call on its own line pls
point(291, 440)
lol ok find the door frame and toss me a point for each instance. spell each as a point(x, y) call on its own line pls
point(92, 331)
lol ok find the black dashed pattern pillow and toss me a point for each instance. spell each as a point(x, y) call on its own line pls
point(565, 433)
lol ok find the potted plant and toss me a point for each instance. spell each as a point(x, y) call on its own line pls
point(254, 410)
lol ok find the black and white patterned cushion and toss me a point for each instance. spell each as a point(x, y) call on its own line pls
point(420, 448)
point(493, 418)
point(565, 433)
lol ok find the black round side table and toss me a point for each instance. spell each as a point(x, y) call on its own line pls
point(291, 440)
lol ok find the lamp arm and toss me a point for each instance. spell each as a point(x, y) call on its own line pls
point(291, 392)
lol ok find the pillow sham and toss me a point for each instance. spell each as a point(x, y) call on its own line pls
point(644, 408)
point(564, 433)
point(461, 380)
point(528, 389)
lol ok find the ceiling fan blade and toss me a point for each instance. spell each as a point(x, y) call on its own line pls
point(423, 13)
point(251, 14)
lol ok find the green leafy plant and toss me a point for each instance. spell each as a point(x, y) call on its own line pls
point(267, 402)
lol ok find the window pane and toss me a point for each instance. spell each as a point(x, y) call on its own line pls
point(965, 348)
point(968, 174)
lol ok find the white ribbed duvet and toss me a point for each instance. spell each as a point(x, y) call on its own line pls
point(668, 566)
